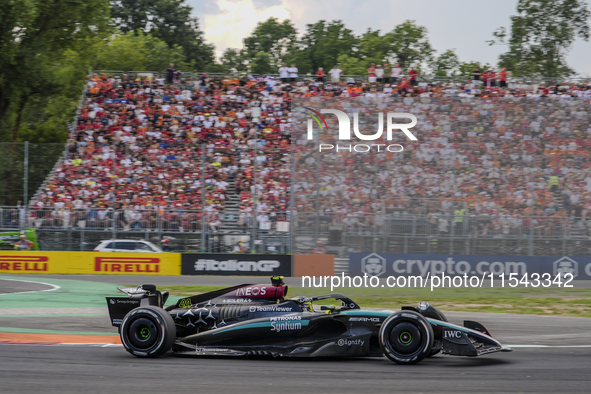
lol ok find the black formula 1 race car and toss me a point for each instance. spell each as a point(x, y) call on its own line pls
point(259, 320)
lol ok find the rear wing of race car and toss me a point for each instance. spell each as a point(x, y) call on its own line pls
point(137, 296)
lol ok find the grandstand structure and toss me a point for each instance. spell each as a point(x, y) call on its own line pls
point(212, 160)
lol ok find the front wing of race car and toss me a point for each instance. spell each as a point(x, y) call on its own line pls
point(465, 341)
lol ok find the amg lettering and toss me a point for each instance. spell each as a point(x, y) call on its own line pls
point(372, 319)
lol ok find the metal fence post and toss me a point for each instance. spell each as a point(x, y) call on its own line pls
point(254, 197)
point(451, 241)
point(25, 186)
point(203, 225)
point(69, 239)
point(291, 218)
point(530, 239)
point(114, 207)
point(317, 198)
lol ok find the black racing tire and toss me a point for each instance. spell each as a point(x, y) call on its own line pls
point(147, 331)
point(406, 337)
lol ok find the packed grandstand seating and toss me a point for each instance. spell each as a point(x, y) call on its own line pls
point(144, 151)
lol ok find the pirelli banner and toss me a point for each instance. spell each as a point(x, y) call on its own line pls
point(18, 262)
point(236, 264)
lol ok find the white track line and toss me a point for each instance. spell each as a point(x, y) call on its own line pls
point(92, 344)
point(55, 287)
point(98, 344)
point(533, 346)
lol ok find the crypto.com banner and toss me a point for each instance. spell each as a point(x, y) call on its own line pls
point(393, 264)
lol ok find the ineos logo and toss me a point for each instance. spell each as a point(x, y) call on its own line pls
point(251, 291)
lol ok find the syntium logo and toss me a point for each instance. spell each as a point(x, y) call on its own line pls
point(344, 133)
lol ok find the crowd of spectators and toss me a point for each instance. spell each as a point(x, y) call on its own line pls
point(174, 151)
point(145, 149)
point(497, 160)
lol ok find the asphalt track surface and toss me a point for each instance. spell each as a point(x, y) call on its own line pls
point(553, 355)
point(8, 286)
point(70, 368)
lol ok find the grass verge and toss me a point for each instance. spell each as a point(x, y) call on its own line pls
point(535, 301)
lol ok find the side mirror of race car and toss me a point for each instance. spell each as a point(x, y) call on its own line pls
point(149, 288)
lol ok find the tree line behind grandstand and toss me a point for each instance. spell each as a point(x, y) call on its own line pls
point(42, 67)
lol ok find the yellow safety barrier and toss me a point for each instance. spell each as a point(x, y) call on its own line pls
point(31, 262)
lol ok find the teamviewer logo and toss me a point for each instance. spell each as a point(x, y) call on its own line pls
point(565, 266)
point(374, 265)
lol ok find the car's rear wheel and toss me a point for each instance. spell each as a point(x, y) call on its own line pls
point(147, 331)
point(406, 337)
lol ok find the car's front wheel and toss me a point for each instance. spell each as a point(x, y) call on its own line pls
point(406, 337)
point(147, 331)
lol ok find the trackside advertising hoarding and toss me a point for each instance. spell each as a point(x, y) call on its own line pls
point(31, 262)
point(236, 264)
point(394, 264)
